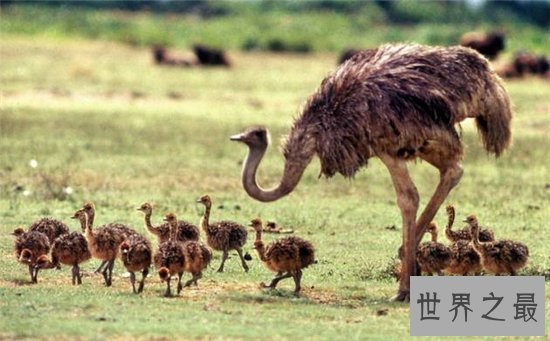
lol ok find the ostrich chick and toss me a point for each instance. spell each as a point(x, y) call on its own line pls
point(185, 230)
point(52, 228)
point(196, 255)
point(69, 249)
point(121, 231)
point(223, 235)
point(485, 235)
point(169, 260)
point(464, 259)
point(498, 257)
point(287, 256)
point(29, 246)
point(136, 255)
point(433, 257)
point(103, 243)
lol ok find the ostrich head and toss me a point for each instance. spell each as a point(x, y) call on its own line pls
point(471, 220)
point(450, 209)
point(43, 262)
point(271, 225)
point(205, 200)
point(164, 274)
point(432, 229)
point(256, 224)
point(125, 247)
point(26, 256)
point(170, 218)
point(146, 208)
point(18, 232)
point(254, 137)
point(88, 207)
point(82, 216)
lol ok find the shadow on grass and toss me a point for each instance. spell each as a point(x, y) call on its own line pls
point(21, 282)
point(315, 297)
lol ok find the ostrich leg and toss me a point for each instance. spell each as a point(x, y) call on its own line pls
point(450, 173)
point(407, 200)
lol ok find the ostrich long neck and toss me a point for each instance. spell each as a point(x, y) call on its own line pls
point(450, 222)
point(86, 226)
point(173, 229)
point(292, 173)
point(90, 217)
point(434, 236)
point(475, 236)
point(205, 218)
point(148, 224)
point(259, 245)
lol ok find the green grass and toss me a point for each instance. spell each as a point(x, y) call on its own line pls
point(101, 118)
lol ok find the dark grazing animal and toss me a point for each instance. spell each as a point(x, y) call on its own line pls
point(210, 56)
point(488, 44)
point(525, 64)
point(162, 57)
point(397, 103)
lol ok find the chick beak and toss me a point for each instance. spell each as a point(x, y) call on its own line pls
point(238, 137)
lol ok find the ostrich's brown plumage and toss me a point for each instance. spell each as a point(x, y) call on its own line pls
point(185, 230)
point(121, 230)
point(169, 260)
point(464, 259)
point(402, 100)
point(136, 255)
point(29, 246)
point(196, 255)
point(398, 103)
point(71, 249)
point(223, 235)
point(52, 228)
point(432, 256)
point(286, 256)
point(501, 256)
point(103, 243)
point(485, 235)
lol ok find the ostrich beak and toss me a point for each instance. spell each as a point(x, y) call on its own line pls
point(465, 220)
point(199, 200)
point(238, 137)
point(73, 217)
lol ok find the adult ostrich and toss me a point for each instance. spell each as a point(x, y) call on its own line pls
point(398, 103)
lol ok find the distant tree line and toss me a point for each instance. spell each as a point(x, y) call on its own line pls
point(536, 12)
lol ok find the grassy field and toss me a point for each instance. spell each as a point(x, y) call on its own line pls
point(101, 119)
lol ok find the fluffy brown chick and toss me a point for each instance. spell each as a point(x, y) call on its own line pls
point(169, 260)
point(498, 257)
point(71, 249)
point(197, 256)
point(121, 230)
point(136, 255)
point(433, 257)
point(287, 256)
point(29, 246)
point(223, 235)
point(103, 243)
point(52, 228)
point(185, 230)
point(464, 259)
point(485, 235)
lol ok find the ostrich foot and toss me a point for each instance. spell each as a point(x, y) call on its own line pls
point(402, 296)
